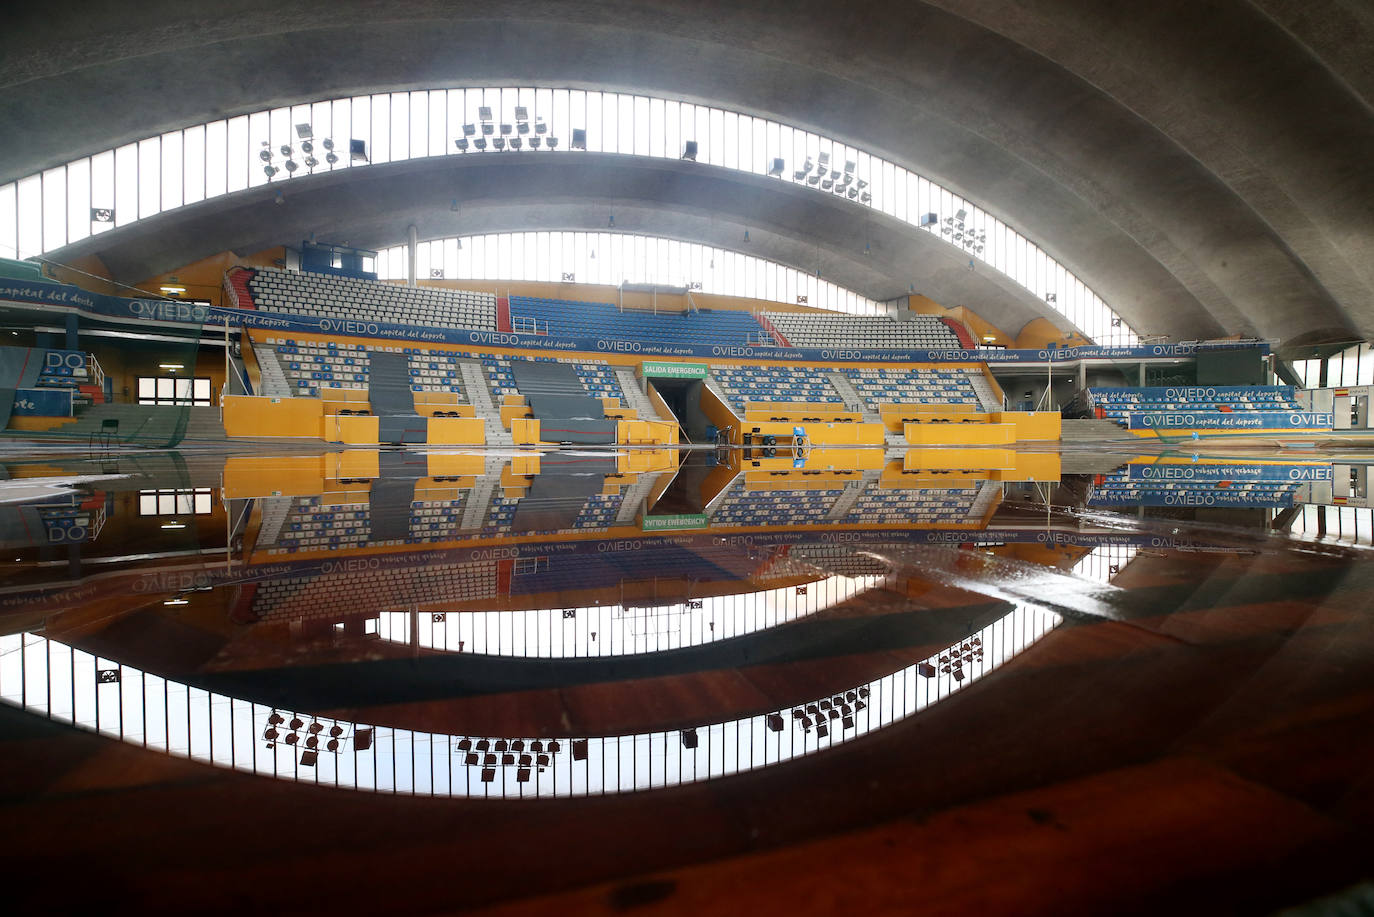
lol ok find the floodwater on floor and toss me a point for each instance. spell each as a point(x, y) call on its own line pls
point(453, 665)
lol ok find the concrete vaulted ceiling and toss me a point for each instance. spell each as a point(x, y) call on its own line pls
point(1205, 167)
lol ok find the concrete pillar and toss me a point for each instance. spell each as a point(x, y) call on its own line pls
point(412, 236)
point(71, 332)
point(1141, 383)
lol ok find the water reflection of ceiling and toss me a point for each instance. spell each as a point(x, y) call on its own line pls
point(62, 683)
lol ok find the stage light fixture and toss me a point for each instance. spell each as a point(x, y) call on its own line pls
point(480, 143)
point(522, 113)
point(269, 170)
point(284, 149)
point(484, 113)
point(462, 144)
point(849, 167)
point(291, 165)
point(689, 150)
point(307, 147)
point(777, 168)
point(327, 143)
point(357, 150)
point(506, 129)
point(534, 142)
point(540, 127)
point(499, 142)
point(265, 155)
point(516, 143)
point(553, 143)
point(488, 128)
point(303, 132)
point(865, 198)
point(469, 130)
point(579, 139)
point(331, 157)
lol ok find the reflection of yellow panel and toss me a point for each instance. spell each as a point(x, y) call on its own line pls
point(352, 463)
point(643, 461)
point(821, 460)
point(959, 434)
point(958, 460)
point(264, 476)
point(456, 431)
point(249, 415)
point(795, 480)
point(1039, 426)
point(526, 464)
point(455, 465)
point(1032, 466)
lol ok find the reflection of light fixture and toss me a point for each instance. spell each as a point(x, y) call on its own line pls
point(176, 601)
point(174, 525)
point(746, 235)
point(172, 290)
point(171, 366)
point(989, 338)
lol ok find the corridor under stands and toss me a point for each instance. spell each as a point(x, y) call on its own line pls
point(947, 681)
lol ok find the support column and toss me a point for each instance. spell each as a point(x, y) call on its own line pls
point(412, 242)
point(1141, 383)
point(71, 332)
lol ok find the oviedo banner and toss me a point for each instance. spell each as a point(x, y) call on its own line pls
point(1250, 420)
point(154, 311)
point(1169, 471)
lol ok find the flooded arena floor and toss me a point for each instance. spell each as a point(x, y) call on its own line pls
point(962, 681)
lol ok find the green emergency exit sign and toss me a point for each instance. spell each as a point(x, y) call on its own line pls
point(676, 370)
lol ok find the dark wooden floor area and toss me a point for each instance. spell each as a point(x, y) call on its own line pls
point(1213, 753)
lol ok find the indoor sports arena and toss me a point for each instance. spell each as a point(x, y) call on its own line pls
point(534, 457)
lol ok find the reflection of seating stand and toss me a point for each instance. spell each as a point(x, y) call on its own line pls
point(105, 437)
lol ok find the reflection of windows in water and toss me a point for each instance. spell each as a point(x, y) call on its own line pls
point(197, 502)
point(172, 390)
point(526, 565)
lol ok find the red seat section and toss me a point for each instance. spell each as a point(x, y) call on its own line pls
point(961, 331)
point(503, 313)
point(236, 286)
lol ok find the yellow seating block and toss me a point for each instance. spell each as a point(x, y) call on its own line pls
point(1032, 426)
point(456, 431)
point(259, 416)
point(959, 434)
point(524, 430)
point(350, 428)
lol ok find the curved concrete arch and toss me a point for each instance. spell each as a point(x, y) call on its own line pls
point(1199, 182)
point(373, 208)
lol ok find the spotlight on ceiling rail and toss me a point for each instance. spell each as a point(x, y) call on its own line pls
point(307, 146)
point(462, 144)
point(285, 150)
point(265, 154)
point(303, 132)
point(484, 113)
point(469, 130)
point(357, 150)
point(777, 167)
point(689, 150)
point(540, 127)
point(579, 139)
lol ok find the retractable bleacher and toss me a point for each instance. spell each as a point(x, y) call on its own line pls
point(604, 320)
point(872, 332)
point(353, 299)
